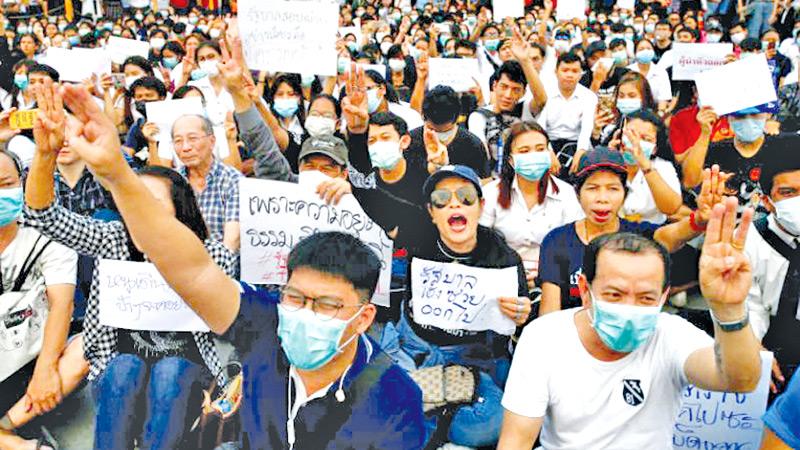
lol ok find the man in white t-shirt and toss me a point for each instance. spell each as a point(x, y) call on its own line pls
point(610, 374)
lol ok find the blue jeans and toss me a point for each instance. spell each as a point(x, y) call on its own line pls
point(475, 425)
point(127, 382)
point(759, 19)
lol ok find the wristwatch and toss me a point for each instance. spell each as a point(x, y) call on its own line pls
point(731, 326)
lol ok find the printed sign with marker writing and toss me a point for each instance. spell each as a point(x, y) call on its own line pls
point(453, 296)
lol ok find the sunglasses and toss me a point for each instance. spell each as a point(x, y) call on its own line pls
point(466, 195)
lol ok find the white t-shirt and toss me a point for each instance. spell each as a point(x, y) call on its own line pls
point(591, 404)
point(57, 264)
point(640, 202)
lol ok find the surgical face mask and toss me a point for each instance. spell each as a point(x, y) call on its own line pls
point(379, 36)
point(11, 202)
point(737, 38)
point(397, 65)
point(649, 27)
point(62, 27)
point(614, 19)
point(491, 44)
point(352, 46)
point(342, 64)
point(157, 43)
point(373, 101)
point(130, 80)
point(561, 45)
point(385, 154)
point(629, 37)
point(139, 17)
point(215, 33)
point(714, 37)
point(209, 66)
point(385, 46)
point(620, 57)
point(787, 212)
point(647, 150)
point(748, 129)
point(198, 74)
point(639, 27)
point(21, 82)
point(285, 107)
point(628, 105)
point(84, 32)
point(306, 80)
point(446, 136)
point(645, 56)
point(414, 52)
point(193, 20)
point(170, 63)
point(623, 328)
point(532, 165)
point(309, 341)
point(318, 126)
point(74, 40)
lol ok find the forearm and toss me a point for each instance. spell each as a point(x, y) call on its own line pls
point(536, 87)
point(280, 135)
point(667, 200)
point(152, 156)
point(234, 159)
point(694, 160)
point(271, 164)
point(551, 298)
point(675, 235)
point(418, 95)
point(231, 236)
point(56, 327)
point(39, 186)
point(736, 354)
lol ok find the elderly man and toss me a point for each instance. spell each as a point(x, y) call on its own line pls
point(216, 185)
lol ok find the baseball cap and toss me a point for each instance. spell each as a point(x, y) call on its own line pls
point(771, 108)
point(600, 158)
point(458, 171)
point(330, 146)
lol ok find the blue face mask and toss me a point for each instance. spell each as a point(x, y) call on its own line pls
point(623, 328)
point(74, 40)
point(342, 64)
point(352, 46)
point(491, 44)
point(285, 107)
point(198, 74)
point(532, 165)
point(306, 80)
point(21, 81)
point(628, 105)
point(645, 56)
point(308, 341)
point(647, 150)
point(748, 129)
point(373, 101)
point(11, 202)
point(170, 63)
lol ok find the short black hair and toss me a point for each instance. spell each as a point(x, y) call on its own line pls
point(664, 22)
point(788, 162)
point(441, 105)
point(568, 58)
point(616, 43)
point(386, 118)
point(513, 70)
point(45, 69)
point(630, 243)
point(540, 47)
point(337, 107)
point(617, 27)
point(693, 32)
point(750, 44)
point(140, 62)
point(341, 255)
point(152, 83)
point(466, 44)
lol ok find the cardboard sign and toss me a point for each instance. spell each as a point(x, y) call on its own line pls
point(22, 120)
point(723, 420)
point(453, 296)
point(736, 86)
point(691, 59)
point(134, 296)
point(290, 36)
point(276, 215)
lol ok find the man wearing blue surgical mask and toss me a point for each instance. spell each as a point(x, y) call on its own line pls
point(618, 363)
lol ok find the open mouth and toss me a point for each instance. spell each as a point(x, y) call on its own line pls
point(457, 222)
point(601, 215)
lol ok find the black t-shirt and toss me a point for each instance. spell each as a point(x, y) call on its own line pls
point(491, 252)
point(745, 183)
point(465, 149)
point(660, 51)
point(561, 258)
point(608, 86)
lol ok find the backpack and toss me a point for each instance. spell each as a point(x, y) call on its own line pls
point(23, 315)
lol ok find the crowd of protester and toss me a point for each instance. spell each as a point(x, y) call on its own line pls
point(655, 243)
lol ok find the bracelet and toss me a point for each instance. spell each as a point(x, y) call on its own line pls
point(735, 325)
point(694, 225)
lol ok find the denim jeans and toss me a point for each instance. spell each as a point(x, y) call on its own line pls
point(129, 382)
point(475, 425)
point(760, 12)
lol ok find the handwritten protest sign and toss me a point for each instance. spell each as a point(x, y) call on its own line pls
point(134, 296)
point(691, 59)
point(460, 74)
point(458, 297)
point(290, 36)
point(507, 8)
point(723, 420)
point(276, 215)
point(119, 48)
point(22, 120)
point(570, 9)
point(735, 86)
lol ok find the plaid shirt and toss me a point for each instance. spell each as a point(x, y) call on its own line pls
point(219, 201)
point(87, 197)
point(109, 240)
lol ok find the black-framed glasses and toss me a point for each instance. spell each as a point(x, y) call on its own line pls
point(326, 308)
point(466, 195)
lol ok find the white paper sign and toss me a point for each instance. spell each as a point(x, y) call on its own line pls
point(77, 64)
point(165, 113)
point(134, 296)
point(276, 215)
point(735, 86)
point(453, 296)
point(120, 49)
point(722, 420)
point(570, 9)
point(290, 36)
point(691, 59)
point(380, 68)
point(507, 8)
point(626, 4)
point(460, 74)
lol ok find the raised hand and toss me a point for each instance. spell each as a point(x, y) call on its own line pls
point(422, 67)
point(436, 151)
point(520, 48)
point(95, 139)
point(706, 117)
point(354, 106)
point(725, 272)
point(231, 71)
point(636, 150)
point(48, 128)
point(6, 132)
point(711, 193)
point(150, 131)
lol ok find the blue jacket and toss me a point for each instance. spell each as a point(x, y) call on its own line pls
point(382, 408)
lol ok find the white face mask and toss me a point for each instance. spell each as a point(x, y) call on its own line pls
point(157, 43)
point(787, 212)
point(320, 126)
point(129, 81)
point(215, 33)
point(209, 66)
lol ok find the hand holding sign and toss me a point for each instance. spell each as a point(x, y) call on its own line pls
point(6, 130)
point(517, 309)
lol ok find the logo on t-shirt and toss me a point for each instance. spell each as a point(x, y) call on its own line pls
point(632, 392)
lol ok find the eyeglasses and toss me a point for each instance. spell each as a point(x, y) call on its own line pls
point(326, 308)
point(319, 114)
point(191, 140)
point(466, 195)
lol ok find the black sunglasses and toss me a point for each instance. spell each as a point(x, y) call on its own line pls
point(467, 195)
